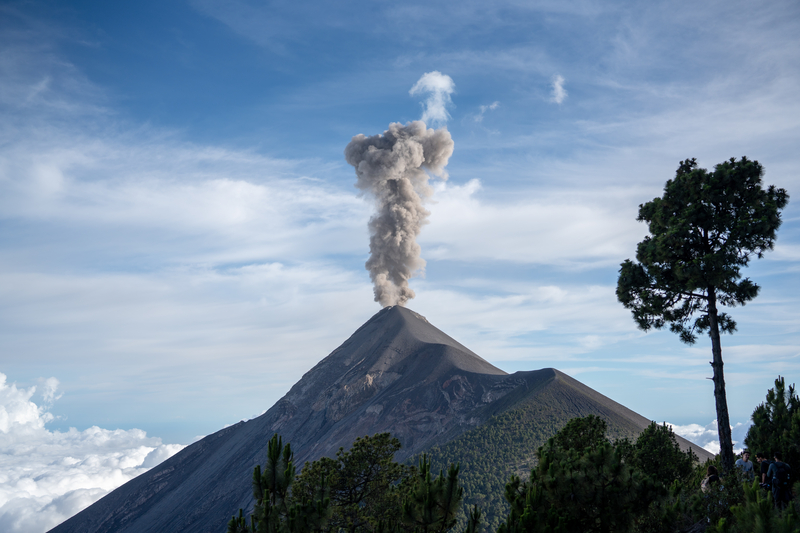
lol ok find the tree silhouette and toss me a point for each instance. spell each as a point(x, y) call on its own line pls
point(703, 230)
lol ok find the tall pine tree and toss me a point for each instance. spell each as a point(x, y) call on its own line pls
point(703, 230)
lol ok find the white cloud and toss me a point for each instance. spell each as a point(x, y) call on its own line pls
point(567, 228)
point(48, 476)
point(708, 436)
point(165, 199)
point(483, 109)
point(439, 87)
point(510, 322)
point(559, 93)
point(131, 254)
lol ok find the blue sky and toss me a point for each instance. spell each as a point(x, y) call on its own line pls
point(181, 238)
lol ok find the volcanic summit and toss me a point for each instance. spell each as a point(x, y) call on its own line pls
point(397, 373)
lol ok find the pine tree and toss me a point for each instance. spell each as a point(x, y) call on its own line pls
point(581, 434)
point(363, 484)
point(704, 229)
point(432, 503)
point(658, 454)
point(474, 520)
point(776, 424)
point(273, 512)
point(758, 514)
point(579, 486)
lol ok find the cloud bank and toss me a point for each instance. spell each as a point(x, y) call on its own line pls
point(48, 476)
point(708, 436)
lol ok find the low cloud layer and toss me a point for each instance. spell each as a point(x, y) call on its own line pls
point(708, 436)
point(48, 476)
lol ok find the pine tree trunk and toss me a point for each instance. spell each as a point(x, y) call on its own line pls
point(723, 421)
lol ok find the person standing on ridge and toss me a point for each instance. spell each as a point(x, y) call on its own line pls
point(764, 465)
point(745, 465)
point(780, 475)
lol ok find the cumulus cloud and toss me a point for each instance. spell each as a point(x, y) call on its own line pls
point(708, 436)
point(48, 476)
point(558, 93)
point(438, 87)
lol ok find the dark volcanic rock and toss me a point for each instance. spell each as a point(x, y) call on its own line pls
point(396, 373)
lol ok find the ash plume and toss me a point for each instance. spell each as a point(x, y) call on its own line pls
point(394, 168)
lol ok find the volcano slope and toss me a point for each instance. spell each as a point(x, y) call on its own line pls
point(397, 373)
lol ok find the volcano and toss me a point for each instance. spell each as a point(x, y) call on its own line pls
point(397, 373)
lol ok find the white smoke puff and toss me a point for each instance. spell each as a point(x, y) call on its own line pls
point(559, 92)
point(440, 86)
point(393, 168)
point(48, 476)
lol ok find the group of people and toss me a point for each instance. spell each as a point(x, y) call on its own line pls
point(774, 475)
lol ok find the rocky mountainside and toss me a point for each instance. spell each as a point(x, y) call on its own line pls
point(396, 373)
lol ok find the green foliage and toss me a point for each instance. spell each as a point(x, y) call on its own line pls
point(703, 231)
point(431, 504)
point(581, 435)
point(579, 485)
point(489, 454)
point(362, 490)
point(474, 520)
point(757, 514)
point(239, 524)
point(364, 483)
point(715, 505)
point(506, 444)
point(658, 454)
point(776, 425)
point(581, 482)
point(271, 486)
point(274, 512)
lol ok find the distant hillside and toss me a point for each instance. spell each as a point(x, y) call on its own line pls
point(507, 442)
point(396, 373)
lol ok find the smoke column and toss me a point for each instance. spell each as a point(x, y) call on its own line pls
point(393, 168)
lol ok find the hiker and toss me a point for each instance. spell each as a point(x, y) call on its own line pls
point(709, 483)
point(745, 465)
point(764, 463)
point(712, 476)
point(780, 475)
